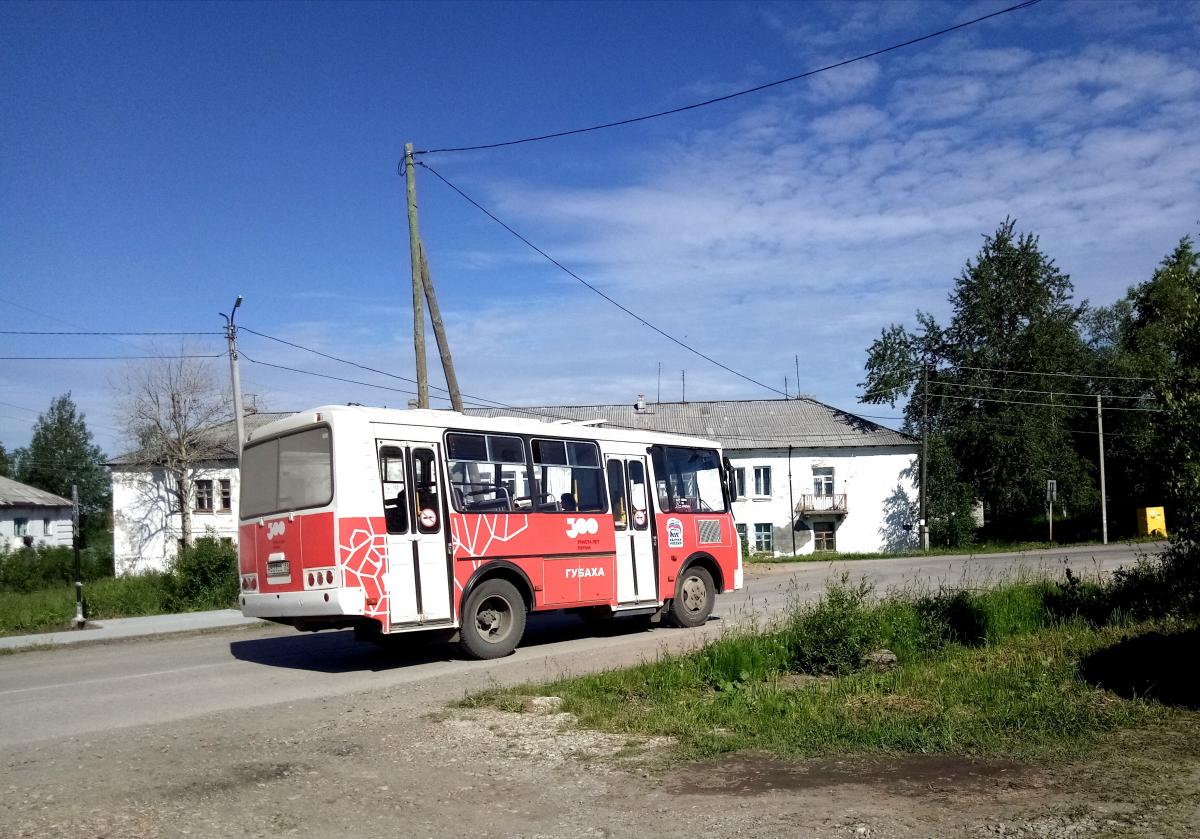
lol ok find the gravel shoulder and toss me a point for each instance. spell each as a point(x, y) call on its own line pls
point(401, 763)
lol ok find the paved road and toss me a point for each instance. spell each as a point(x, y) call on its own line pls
point(47, 695)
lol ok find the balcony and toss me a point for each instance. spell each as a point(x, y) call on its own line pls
point(829, 504)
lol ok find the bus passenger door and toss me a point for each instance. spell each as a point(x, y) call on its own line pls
point(399, 578)
point(417, 574)
point(642, 543)
point(631, 520)
point(433, 564)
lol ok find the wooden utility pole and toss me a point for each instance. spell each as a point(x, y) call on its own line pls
point(414, 247)
point(923, 525)
point(439, 333)
point(1103, 499)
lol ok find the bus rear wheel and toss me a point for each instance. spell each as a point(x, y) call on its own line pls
point(694, 598)
point(493, 620)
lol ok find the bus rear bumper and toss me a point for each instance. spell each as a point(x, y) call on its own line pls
point(305, 604)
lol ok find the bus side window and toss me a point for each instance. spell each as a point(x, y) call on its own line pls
point(395, 500)
point(637, 494)
point(616, 494)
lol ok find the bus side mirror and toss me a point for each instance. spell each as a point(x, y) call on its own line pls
point(730, 481)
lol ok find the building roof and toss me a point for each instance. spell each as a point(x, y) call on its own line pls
point(16, 494)
point(746, 424)
point(223, 435)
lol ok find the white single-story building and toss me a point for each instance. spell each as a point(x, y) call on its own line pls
point(811, 477)
point(147, 526)
point(30, 516)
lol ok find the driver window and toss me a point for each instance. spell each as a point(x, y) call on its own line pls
point(395, 499)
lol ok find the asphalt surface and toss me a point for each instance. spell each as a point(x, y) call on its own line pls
point(51, 694)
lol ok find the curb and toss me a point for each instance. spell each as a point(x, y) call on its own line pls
point(119, 629)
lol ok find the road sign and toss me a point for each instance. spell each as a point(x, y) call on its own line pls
point(1051, 490)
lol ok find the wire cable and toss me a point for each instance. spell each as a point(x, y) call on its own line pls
point(30, 332)
point(916, 368)
point(1045, 404)
point(745, 92)
point(584, 282)
point(1038, 392)
point(100, 357)
point(477, 400)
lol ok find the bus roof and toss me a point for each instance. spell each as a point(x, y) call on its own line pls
point(466, 422)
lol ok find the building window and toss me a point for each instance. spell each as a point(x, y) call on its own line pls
point(226, 494)
point(741, 532)
point(21, 527)
point(46, 525)
point(823, 481)
point(762, 480)
point(824, 538)
point(762, 537)
point(204, 496)
point(739, 478)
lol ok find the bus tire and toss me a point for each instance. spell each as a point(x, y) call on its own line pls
point(493, 619)
point(694, 598)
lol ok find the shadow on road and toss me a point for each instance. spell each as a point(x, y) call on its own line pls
point(338, 651)
point(1154, 666)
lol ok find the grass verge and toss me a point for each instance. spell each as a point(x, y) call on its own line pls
point(998, 673)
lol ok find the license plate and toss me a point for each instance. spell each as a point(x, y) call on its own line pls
point(279, 568)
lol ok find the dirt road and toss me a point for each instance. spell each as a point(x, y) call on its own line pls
point(268, 734)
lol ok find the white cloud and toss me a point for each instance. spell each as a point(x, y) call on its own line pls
point(805, 229)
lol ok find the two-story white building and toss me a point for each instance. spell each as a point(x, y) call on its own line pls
point(810, 477)
point(147, 525)
point(30, 516)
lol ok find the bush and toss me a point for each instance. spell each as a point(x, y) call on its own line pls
point(833, 636)
point(206, 575)
point(31, 569)
point(151, 593)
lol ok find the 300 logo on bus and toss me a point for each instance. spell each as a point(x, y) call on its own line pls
point(582, 527)
point(276, 528)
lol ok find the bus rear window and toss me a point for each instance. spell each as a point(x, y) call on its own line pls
point(287, 473)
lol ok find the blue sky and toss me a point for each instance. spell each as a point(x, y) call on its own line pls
point(157, 160)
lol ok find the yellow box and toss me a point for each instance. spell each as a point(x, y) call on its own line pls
point(1151, 521)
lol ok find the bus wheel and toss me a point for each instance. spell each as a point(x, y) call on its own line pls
point(694, 596)
point(493, 619)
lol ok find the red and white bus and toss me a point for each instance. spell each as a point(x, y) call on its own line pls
point(397, 521)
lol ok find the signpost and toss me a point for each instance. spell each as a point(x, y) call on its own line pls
point(1051, 497)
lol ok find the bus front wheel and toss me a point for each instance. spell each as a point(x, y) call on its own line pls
point(694, 598)
point(493, 619)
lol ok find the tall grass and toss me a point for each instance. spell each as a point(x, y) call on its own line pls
point(992, 672)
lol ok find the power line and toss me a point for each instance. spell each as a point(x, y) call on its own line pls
point(584, 282)
point(30, 332)
point(471, 399)
point(1045, 404)
point(475, 399)
point(100, 357)
point(738, 93)
point(1039, 392)
point(917, 367)
point(1067, 375)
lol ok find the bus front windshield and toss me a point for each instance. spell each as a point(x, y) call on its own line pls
point(689, 480)
point(287, 473)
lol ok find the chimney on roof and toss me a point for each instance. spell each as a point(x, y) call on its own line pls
point(640, 405)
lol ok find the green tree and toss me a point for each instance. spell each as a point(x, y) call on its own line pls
point(1000, 436)
point(6, 463)
point(62, 453)
point(1167, 323)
